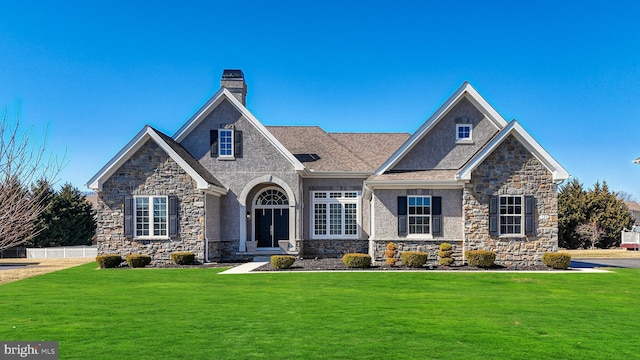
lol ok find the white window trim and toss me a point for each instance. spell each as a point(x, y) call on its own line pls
point(522, 219)
point(420, 236)
point(151, 223)
point(328, 200)
point(460, 140)
point(220, 155)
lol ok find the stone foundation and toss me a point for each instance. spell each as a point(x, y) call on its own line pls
point(331, 248)
point(430, 247)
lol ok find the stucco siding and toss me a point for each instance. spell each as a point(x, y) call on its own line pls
point(439, 150)
point(386, 213)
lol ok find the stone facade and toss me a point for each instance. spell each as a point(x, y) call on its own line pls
point(331, 248)
point(511, 170)
point(150, 171)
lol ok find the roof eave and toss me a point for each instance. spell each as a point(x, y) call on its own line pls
point(414, 184)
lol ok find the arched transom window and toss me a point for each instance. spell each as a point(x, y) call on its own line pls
point(272, 197)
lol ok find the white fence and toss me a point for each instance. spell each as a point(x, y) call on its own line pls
point(62, 252)
point(630, 239)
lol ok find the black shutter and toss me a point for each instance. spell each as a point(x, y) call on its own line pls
point(173, 216)
point(214, 143)
point(436, 215)
point(529, 206)
point(493, 215)
point(402, 216)
point(237, 143)
point(128, 217)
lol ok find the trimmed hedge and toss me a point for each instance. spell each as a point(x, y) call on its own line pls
point(556, 260)
point(445, 253)
point(282, 261)
point(183, 257)
point(138, 260)
point(356, 260)
point(109, 260)
point(481, 258)
point(413, 258)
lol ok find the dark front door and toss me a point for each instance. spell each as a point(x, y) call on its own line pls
point(271, 225)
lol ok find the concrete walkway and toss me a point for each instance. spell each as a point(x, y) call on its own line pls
point(245, 268)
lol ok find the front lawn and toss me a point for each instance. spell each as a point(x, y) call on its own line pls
point(198, 314)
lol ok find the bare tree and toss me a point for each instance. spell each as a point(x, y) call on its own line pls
point(22, 163)
point(590, 232)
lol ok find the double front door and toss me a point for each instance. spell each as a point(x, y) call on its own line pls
point(271, 225)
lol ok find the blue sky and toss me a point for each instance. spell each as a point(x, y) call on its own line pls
point(96, 73)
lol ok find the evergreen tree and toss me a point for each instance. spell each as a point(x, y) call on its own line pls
point(599, 208)
point(609, 213)
point(42, 190)
point(68, 220)
point(572, 211)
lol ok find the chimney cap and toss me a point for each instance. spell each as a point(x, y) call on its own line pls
point(232, 74)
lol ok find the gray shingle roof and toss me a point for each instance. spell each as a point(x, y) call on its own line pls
point(333, 152)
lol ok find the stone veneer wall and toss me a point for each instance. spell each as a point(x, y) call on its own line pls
point(511, 170)
point(331, 248)
point(150, 171)
point(431, 247)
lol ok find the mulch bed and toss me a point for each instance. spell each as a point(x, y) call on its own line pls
point(330, 264)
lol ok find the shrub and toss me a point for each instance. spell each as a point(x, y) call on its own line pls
point(446, 261)
point(138, 260)
point(414, 258)
point(446, 250)
point(556, 260)
point(390, 253)
point(481, 258)
point(282, 261)
point(183, 257)
point(109, 260)
point(356, 260)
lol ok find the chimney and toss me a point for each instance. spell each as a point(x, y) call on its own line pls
point(233, 80)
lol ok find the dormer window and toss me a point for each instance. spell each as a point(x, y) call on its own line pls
point(464, 133)
point(226, 144)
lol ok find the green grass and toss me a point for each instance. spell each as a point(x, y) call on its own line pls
point(198, 314)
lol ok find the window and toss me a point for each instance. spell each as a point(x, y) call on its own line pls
point(463, 132)
point(335, 213)
point(151, 215)
point(511, 215)
point(419, 214)
point(225, 143)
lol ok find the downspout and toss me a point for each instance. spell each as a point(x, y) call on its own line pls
point(206, 238)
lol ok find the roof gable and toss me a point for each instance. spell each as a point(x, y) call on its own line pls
point(204, 180)
point(514, 128)
point(466, 91)
point(215, 101)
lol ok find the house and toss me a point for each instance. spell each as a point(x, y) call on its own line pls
point(634, 209)
point(224, 180)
